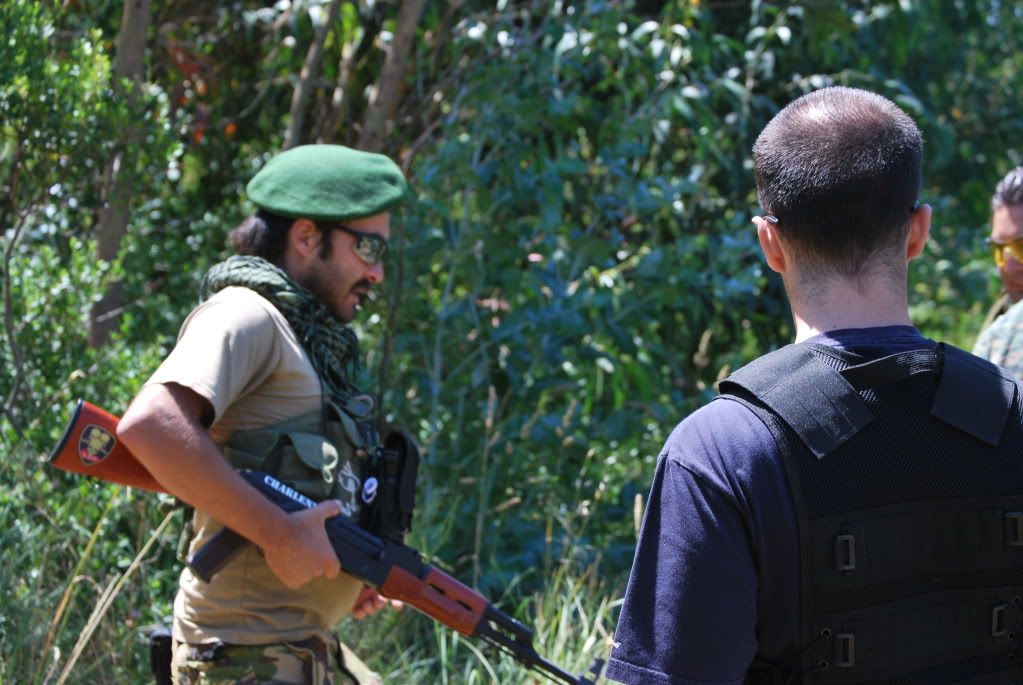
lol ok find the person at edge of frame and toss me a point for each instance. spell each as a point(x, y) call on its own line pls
point(261, 377)
point(848, 510)
point(999, 340)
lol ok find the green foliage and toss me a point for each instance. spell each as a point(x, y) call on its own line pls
point(560, 216)
point(577, 272)
point(60, 125)
point(69, 539)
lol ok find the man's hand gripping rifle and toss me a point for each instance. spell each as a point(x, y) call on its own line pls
point(396, 570)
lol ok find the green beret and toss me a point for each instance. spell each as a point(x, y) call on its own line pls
point(327, 183)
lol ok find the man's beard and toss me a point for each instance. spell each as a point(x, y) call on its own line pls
point(326, 296)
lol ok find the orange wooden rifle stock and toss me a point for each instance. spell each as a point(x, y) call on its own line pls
point(90, 446)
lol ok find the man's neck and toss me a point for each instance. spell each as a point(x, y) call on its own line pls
point(838, 304)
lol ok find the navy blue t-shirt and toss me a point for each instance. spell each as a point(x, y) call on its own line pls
point(715, 579)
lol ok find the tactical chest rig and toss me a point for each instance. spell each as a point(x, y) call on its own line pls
point(907, 478)
point(336, 453)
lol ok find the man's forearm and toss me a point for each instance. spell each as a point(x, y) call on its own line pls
point(162, 429)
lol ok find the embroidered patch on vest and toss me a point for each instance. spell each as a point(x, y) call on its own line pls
point(349, 490)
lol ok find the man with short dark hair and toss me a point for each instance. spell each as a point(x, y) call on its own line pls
point(261, 378)
point(1001, 337)
point(844, 511)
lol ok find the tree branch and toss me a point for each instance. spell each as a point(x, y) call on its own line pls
point(9, 328)
point(380, 113)
point(129, 64)
point(393, 306)
point(443, 33)
point(310, 72)
point(341, 99)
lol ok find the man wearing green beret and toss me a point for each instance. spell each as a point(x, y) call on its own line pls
point(261, 378)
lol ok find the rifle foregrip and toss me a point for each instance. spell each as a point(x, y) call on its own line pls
point(215, 554)
point(439, 596)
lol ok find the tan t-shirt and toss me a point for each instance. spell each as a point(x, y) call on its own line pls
point(239, 352)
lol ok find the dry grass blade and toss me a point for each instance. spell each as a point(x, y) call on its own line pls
point(76, 578)
point(107, 598)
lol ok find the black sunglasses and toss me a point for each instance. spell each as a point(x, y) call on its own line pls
point(369, 247)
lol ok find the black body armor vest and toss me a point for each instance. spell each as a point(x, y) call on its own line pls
point(907, 478)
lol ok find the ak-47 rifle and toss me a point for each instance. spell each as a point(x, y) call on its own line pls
point(89, 446)
point(398, 572)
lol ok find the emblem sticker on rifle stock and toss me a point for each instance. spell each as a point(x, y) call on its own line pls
point(95, 444)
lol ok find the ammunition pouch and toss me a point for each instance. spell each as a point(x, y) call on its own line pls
point(323, 455)
point(335, 454)
point(389, 490)
point(160, 648)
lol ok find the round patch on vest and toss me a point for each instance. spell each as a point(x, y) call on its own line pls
point(369, 490)
point(95, 444)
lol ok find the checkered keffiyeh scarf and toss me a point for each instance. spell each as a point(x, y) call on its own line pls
point(332, 347)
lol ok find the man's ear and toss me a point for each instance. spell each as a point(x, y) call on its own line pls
point(770, 243)
point(919, 230)
point(304, 238)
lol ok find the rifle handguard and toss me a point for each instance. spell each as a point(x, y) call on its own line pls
point(438, 595)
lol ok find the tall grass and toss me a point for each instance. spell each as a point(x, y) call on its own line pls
point(88, 570)
point(572, 619)
point(85, 568)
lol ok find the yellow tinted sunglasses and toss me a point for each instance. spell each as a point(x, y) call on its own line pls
point(1013, 247)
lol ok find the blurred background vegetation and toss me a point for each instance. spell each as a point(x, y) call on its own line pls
point(576, 273)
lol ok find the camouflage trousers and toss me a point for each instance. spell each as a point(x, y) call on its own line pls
point(306, 662)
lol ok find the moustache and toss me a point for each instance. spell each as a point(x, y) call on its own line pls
point(364, 289)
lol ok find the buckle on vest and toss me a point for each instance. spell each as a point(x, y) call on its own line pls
point(1014, 528)
point(999, 626)
point(845, 553)
point(845, 650)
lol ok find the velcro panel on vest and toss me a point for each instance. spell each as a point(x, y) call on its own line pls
point(856, 648)
point(973, 395)
point(811, 397)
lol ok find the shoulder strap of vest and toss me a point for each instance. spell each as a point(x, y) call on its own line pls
point(896, 367)
point(815, 400)
point(973, 395)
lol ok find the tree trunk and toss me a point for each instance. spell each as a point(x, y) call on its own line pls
point(380, 114)
point(341, 99)
point(310, 72)
point(113, 217)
